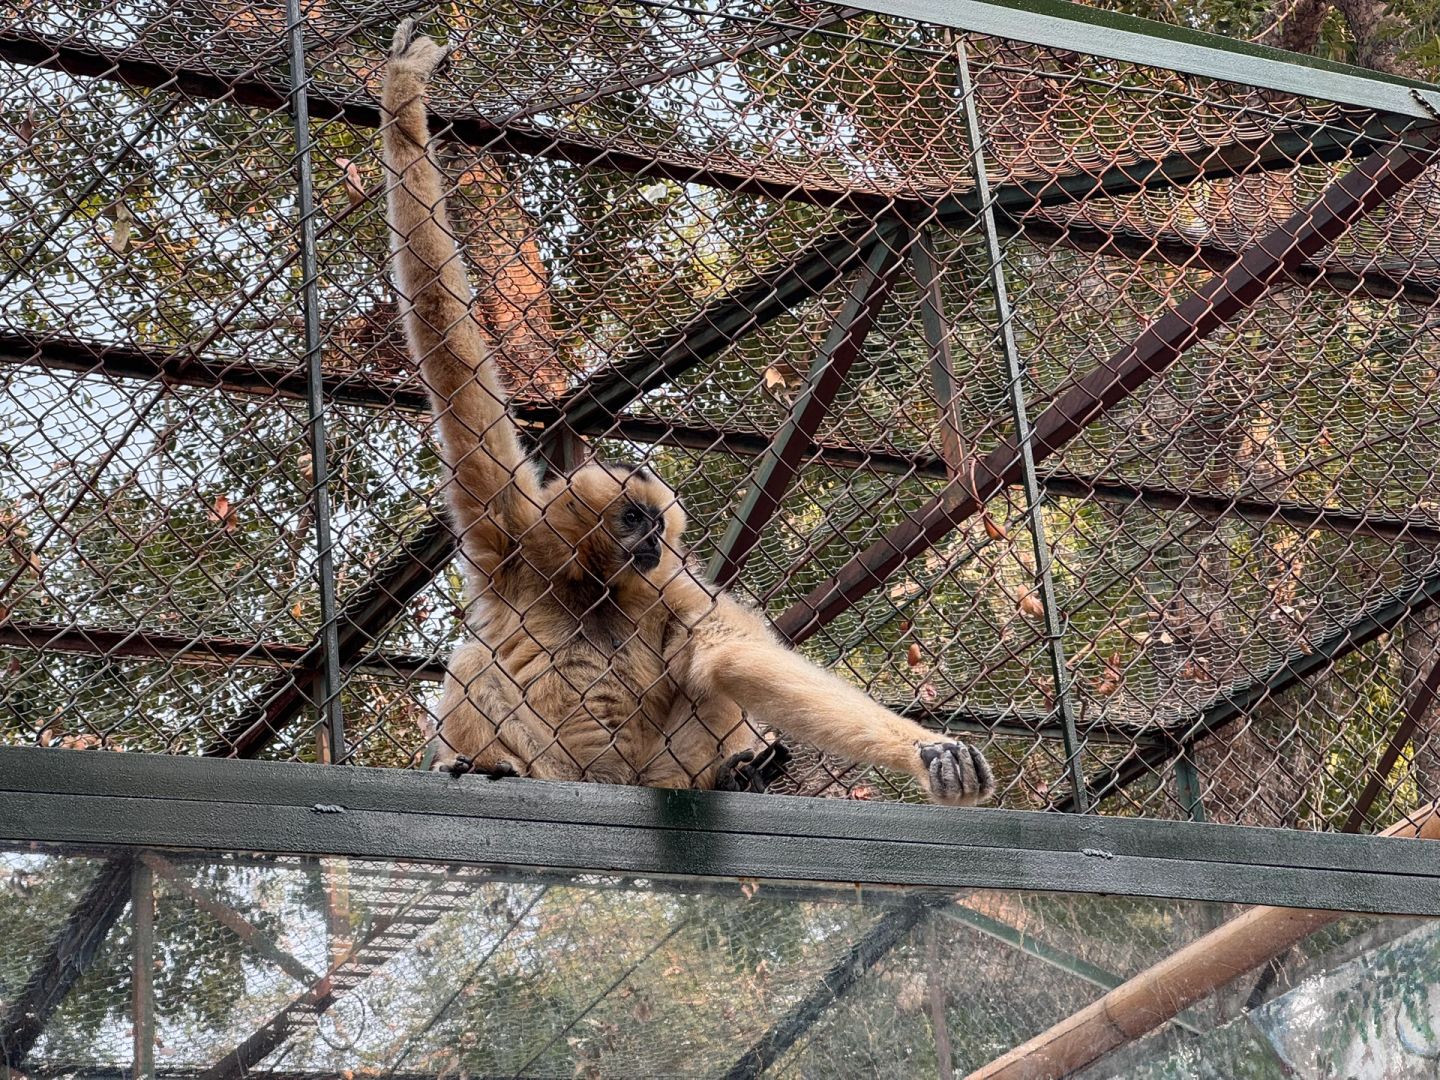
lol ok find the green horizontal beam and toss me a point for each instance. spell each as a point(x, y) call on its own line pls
point(151, 801)
point(1075, 28)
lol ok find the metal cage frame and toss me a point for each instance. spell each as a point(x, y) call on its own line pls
point(153, 803)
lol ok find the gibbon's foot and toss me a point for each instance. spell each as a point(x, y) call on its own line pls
point(957, 774)
point(419, 56)
point(460, 765)
point(749, 771)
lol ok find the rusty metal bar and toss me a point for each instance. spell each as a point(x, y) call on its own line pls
point(252, 89)
point(724, 321)
point(1125, 243)
point(190, 650)
point(936, 327)
point(1420, 703)
point(1300, 144)
point(1369, 184)
point(71, 354)
point(196, 650)
point(778, 465)
point(1015, 384)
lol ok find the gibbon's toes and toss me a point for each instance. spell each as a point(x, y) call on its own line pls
point(749, 771)
point(500, 770)
point(956, 774)
point(459, 765)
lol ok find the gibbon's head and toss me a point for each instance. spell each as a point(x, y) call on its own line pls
point(617, 519)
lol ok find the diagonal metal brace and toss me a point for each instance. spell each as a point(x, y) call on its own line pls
point(1370, 184)
point(795, 438)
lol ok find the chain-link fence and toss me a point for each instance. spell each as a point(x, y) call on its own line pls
point(922, 327)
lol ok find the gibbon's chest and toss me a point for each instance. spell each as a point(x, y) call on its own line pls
point(570, 645)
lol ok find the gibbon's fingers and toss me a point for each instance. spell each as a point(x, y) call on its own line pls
point(422, 56)
point(403, 33)
point(752, 771)
point(957, 774)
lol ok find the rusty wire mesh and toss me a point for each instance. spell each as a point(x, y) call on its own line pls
point(666, 209)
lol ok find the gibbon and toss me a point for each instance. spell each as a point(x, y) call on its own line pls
point(594, 652)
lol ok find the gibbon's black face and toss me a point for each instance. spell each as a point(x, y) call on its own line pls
point(640, 529)
point(619, 519)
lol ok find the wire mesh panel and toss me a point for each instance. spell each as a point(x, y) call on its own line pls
point(920, 326)
point(272, 966)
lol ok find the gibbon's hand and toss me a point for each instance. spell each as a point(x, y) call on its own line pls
point(957, 775)
point(417, 57)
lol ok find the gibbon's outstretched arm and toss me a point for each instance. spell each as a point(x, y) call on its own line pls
point(734, 652)
point(494, 489)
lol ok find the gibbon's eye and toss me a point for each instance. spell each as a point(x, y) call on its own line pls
point(631, 518)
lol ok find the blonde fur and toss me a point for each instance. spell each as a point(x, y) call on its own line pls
point(595, 651)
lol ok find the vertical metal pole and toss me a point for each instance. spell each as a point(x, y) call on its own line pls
point(1187, 784)
point(1015, 377)
point(937, 342)
point(332, 719)
point(142, 970)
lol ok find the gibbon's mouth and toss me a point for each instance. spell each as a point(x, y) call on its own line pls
point(646, 556)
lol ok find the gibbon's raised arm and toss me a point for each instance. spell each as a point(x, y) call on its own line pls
point(494, 489)
point(604, 657)
point(734, 652)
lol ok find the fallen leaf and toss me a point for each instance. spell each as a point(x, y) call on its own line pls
point(1030, 605)
point(124, 222)
point(993, 529)
point(225, 514)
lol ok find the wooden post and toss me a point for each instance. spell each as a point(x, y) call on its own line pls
point(1140, 1005)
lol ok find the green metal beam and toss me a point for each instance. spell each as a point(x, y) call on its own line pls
point(1096, 32)
point(127, 801)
